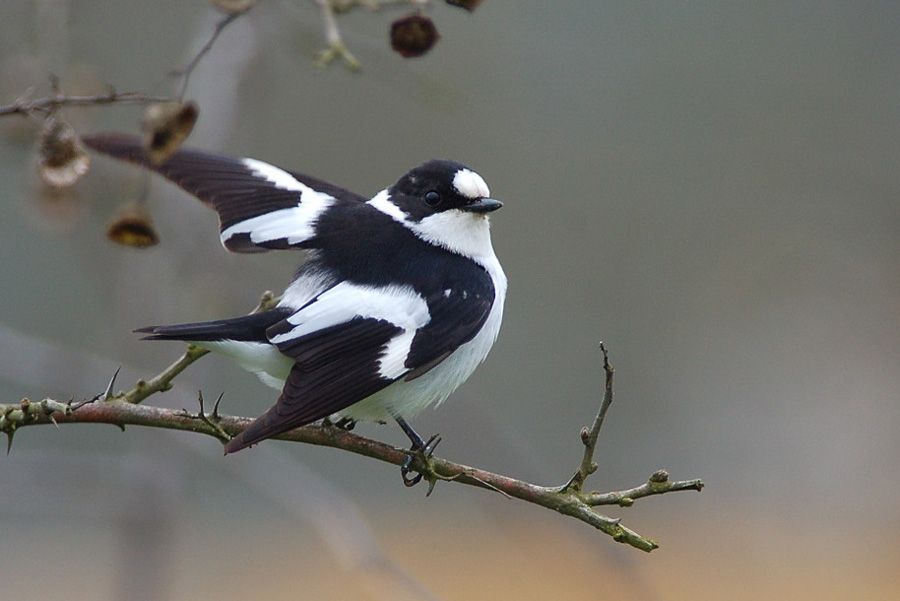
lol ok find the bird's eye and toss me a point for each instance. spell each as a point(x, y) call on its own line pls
point(432, 199)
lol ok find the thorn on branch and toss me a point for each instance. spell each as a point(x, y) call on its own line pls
point(212, 420)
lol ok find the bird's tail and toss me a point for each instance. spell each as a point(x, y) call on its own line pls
point(251, 328)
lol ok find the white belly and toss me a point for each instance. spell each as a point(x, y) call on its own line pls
point(264, 360)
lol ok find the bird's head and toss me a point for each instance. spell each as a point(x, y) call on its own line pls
point(443, 187)
point(445, 203)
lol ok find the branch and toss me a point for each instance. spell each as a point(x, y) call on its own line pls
point(573, 503)
point(48, 104)
point(124, 410)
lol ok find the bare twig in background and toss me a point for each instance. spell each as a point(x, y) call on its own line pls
point(186, 72)
point(47, 104)
point(567, 500)
point(336, 47)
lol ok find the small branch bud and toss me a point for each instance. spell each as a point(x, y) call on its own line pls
point(659, 476)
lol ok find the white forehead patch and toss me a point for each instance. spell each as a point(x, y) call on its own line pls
point(470, 184)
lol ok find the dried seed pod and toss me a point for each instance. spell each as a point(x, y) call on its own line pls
point(469, 5)
point(63, 159)
point(413, 35)
point(133, 227)
point(166, 126)
point(233, 7)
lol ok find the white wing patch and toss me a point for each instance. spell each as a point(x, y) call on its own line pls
point(399, 305)
point(281, 178)
point(392, 363)
point(294, 224)
point(470, 184)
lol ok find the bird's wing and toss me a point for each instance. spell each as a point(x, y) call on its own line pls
point(352, 341)
point(260, 206)
point(457, 315)
point(344, 343)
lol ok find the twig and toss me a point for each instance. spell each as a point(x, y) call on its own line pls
point(343, 6)
point(658, 483)
point(336, 47)
point(572, 503)
point(163, 380)
point(186, 72)
point(589, 436)
point(48, 104)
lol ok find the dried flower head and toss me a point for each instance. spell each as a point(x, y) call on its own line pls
point(413, 35)
point(233, 7)
point(469, 5)
point(63, 159)
point(132, 227)
point(166, 126)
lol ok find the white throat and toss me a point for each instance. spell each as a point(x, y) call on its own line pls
point(467, 234)
point(461, 232)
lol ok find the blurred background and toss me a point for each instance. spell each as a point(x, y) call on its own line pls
point(711, 189)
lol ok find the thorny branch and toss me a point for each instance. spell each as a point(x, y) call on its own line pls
point(123, 410)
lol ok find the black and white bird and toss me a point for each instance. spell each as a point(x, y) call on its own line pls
point(399, 300)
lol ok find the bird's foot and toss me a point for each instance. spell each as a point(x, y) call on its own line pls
point(419, 458)
point(213, 420)
point(423, 454)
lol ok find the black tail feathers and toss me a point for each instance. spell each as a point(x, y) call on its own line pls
point(250, 328)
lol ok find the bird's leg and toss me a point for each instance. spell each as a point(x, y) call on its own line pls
point(421, 448)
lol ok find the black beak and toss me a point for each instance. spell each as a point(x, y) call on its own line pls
point(482, 205)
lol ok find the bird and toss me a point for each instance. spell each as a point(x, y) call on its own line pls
point(399, 299)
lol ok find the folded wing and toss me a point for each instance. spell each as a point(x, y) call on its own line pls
point(260, 206)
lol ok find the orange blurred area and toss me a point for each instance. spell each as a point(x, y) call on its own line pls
point(527, 556)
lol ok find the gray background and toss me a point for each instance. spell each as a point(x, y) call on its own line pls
point(711, 188)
